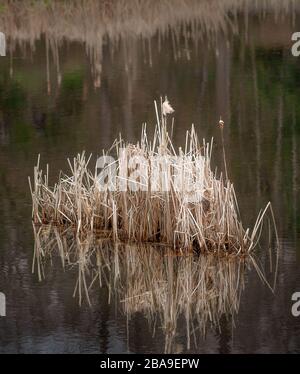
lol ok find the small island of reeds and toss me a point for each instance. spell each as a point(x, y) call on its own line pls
point(149, 192)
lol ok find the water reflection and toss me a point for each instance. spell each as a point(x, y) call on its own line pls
point(154, 281)
point(133, 27)
point(234, 62)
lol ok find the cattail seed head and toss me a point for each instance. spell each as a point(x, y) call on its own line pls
point(166, 107)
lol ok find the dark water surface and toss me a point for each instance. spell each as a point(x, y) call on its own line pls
point(60, 95)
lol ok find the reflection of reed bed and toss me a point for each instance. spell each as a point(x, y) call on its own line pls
point(84, 20)
point(145, 279)
point(150, 193)
point(200, 289)
point(93, 23)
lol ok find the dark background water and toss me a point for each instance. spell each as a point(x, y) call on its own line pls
point(62, 93)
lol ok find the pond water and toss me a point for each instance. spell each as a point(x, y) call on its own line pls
point(68, 85)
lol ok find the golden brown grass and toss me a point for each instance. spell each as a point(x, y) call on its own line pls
point(177, 200)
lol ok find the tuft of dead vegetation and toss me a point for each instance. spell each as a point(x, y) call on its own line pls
point(149, 193)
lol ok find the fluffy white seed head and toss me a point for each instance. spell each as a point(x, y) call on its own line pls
point(166, 107)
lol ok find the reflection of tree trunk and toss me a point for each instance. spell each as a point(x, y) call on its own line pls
point(53, 44)
point(257, 125)
point(295, 174)
point(246, 24)
point(241, 97)
point(278, 155)
point(131, 60)
point(4, 134)
point(127, 89)
point(223, 79)
point(223, 86)
point(11, 66)
point(47, 66)
point(55, 52)
point(150, 52)
point(106, 123)
point(203, 83)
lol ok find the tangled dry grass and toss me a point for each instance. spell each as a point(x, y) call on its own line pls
point(149, 193)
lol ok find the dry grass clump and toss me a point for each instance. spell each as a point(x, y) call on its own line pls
point(149, 193)
point(161, 284)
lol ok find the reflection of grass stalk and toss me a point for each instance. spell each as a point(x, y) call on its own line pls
point(221, 125)
point(162, 285)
